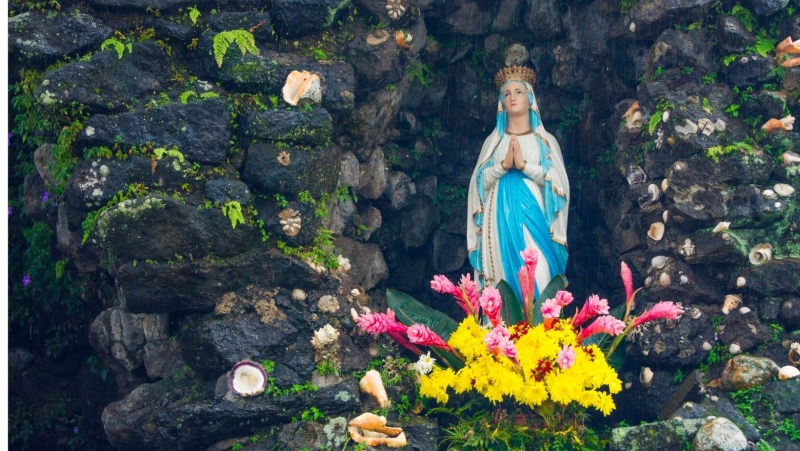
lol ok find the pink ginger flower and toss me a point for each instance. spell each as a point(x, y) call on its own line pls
point(498, 341)
point(378, 323)
point(442, 284)
point(470, 294)
point(563, 298)
point(594, 306)
point(551, 309)
point(627, 280)
point(509, 349)
point(662, 310)
point(491, 301)
point(566, 357)
point(422, 335)
point(530, 256)
point(527, 281)
point(602, 325)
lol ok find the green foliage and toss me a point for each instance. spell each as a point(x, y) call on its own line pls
point(419, 72)
point(236, 446)
point(679, 376)
point(321, 253)
point(186, 95)
point(172, 152)
point(732, 110)
point(312, 414)
point(118, 46)
point(656, 118)
point(709, 78)
point(280, 200)
point(132, 191)
point(788, 427)
point(275, 392)
point(194, 14)
point(243, 38)
point(626, 5)
point(326, 366)
point(687, 70)
point(714, 152)
point(268, 365)
point(233, 210)
point(748, 19)
point(764, 45)
point(570, 119)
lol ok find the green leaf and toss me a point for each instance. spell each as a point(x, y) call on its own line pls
point(410, 311)
point(512, 309)
point(557, 284)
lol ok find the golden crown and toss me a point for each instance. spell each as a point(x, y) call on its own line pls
point(515, 73)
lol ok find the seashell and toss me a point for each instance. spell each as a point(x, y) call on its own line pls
point(695, 313)
point(687, 248)
point(706, 126)
point(302, 87)
point(740, 282)
point(768, 194)
point(665, 216)
point(355, 292)
point(706, 346)
point(684, 280)
point(744, 310)
point(784, 189)
point(368, 420)
point(632, 27)
point(664, 185)
point(761, 254)
point(653, 193)
point(774, 125)
point(324, 336)
point(646, 376)
point(680, 166)
point(656, 231)
point(371, 383)
point(731, 302)
point(734, 348)
point(516, 54)
point(635, 175)
point(672, 141)
point(794, 354)
point(787, 47)
point(247, 378)
point(633, 117)
point(788, 372)
point(354, 314)
point(363, 437)
point(721, 227)
point(657, 329)
point(659, 138)
point(665, 117)
point(789, 158)
point(628, 385)
point(664, 279)
point(777, 205)
point(395, 8)
point(298, 295)
point(403, 39)
point(659, 261)
point(377, 37)
point(648, 281)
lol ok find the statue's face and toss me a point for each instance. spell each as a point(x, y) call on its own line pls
point(515, 98)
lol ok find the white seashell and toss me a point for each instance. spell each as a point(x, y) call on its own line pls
point(665, 216)
point(355, 292)
point(646, 376)
point(680, 166)
point(302, 87)
point(635, 174)
point(684, 280)
point(664, 279)
point(706, 126)
point(656, 231)
point(687, 248)
point(740, 282)
point(665, 117)
point(734, 348)
point(377, 37)
point(648, 281)
point(788, 372)
point(659, 261)
point(731, 302)
point(745, 310)
point(761, 254)
point(777, 205)
point(721, 227)
point(324, 336)
point(632, 27)
point(628, 385)
point(655, 193)
point(707, 346)
point(664, 185)
point(695, 313)
point(298, 295)
point(790, 157)
point(768, 194)
point(354, 314)
point(657, 329)
point(784, 190)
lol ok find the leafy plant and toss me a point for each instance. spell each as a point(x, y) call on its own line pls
point(714, 152)
point(312, 414)
point(118, 46)
point(419, 72)
point(679, 376)
point(243, 38)
point(732, 110)
point(194, 14)
point(233, 210)
point(280, 200)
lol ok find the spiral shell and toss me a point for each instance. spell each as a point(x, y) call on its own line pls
point(761, 254)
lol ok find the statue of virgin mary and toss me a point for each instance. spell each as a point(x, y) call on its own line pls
point(519, 191)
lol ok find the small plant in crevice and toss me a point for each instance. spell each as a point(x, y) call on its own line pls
point(242, 38)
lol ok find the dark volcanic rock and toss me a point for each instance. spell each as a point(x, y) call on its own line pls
point(376, 59)
point(144, 5)
point(258, 22)
point(38, 38)
point(367, 266)
point(295, 18)
point(662, 435)
point(783, 395)
point(108, 81)
point(766, 7)
point(222, 191)
point(308, 128)
point(773, 278)
point(543, 20)
point(676, 49)
point(168, 415)
point(269, 169)
point(732, 35)
point(749, 70)
point(199, 130)
point(652, 17)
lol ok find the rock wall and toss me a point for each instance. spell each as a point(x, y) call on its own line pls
point(212, 217)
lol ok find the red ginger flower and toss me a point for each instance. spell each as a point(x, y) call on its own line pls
point(422, 335)
point(662, 310)
point(378, 323)
point(594, 306)
point(469, 293)
point(442, 284)
point(602, 325)
point(563, 298)
point(627, 281)
point(491, 301)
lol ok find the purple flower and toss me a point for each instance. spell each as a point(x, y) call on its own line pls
point(45, 196)
point(75, 430)
point(26, 280)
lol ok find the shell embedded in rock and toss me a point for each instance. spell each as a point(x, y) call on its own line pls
point(368, 420)
point(290, 221)
point(679, 166)
point(684, 280)
point(707, 346)
point(664, 279)
point(789, 158)
point(664, 185)
point(656, 231)
point(403, 39)
point(721, 227)
point(745, 311)
point(516, 54)
point(734, 348)
point(659, 261)
point(652, 195)
point(648, 281)
point(788, 372)
point(377, 37)
point(761, 254)
point(395, 8)
point(665, 117)
point(731, 302)
point(687, 248)
point(768, 194)
point(740, 282)
point(372, 384)
point(646, 376)
point(695, 313)
point(247, 378)
point(784, 124)
point(784, 189)
point(324, 336)
point(633, 117)
point(635, 174)
point(302, 87)
point(298, 295)
point(665, 216)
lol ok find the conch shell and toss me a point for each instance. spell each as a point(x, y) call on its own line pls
point(788, 372)
point(773, 125)
point(371, 430)
point(633, 117)
point(790, 158)
point(302, 87)
point(786, 48)
point(761, 254)
point(371, 383)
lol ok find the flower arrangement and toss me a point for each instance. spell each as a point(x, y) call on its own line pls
point(522, 351)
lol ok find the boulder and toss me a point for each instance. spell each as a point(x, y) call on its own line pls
point(372, 175)
point(367, 265)
point(400, 190)
point(784, 396)
point(258, 23)
point(732, 35)
point(719, 434)
point(766, 7)
point(303, 128)
point(289, 170)
point(543, 20)
point(743, 372)
point(119, 338)
point(773, 278)
point(749, 70)
point(449, 252)
point(294, 18)
point(222, 191)
point(651, 17)
point(375, 57)
point(671, 434)
point(38, 38)
point(676, 49)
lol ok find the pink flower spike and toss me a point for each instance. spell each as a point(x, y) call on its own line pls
point(602, 325)
point(530, 256)
point(378, 323)
point(442, 284)
point(594, 306)
point(563, 298)
point(422, 335)
point(551, 309)
point(627, 281)
point(566, 357)
point(526, 284)
point(509, 349)
point(470, 292)
point(491, 301)
point(662, 310)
